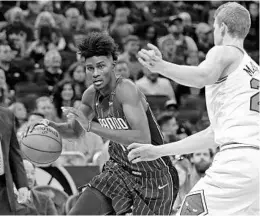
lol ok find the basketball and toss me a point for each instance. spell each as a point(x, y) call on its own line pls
point(42, 146)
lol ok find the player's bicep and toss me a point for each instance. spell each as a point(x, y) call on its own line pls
point(134, 111)
point(214, 65)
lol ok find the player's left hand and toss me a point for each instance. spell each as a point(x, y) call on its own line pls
point(142, 152)
point(151, 59)
point(24, 195)
point(73, 113)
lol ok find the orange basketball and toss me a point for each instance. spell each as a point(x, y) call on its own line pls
point(42, 146)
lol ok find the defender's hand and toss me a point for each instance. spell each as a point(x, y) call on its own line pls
point(142, 152)
point(151, 59)
point(44, 122)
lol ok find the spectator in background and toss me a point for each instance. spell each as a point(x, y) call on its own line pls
point(121, 69)
point(77, 73)
point(147, 34)
point(205, 43)
point(169, 126)
point(17, 32)
point(52, 73)
point(171, 107)
point(59, 18)
point(42, 45)
point(200, 161)
point(75, 30)
point(63, 96)
point(183, 167)
point(185, 44)
point(168, 49)
point(43, 204)
point(20, 112)
point(188, 29)
point(13, 73)
point(140, 12)
point(33, 10)
point(203, 122)
point(46, 19)
point(90, 13)
point(131, 48)
point(45, 106)
point(152, 84)
point(120, 28)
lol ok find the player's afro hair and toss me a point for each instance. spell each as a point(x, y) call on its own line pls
point(98, 44)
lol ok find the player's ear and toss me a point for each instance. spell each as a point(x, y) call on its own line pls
point(223, 28)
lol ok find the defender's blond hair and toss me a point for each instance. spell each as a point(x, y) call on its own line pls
point(236, 17)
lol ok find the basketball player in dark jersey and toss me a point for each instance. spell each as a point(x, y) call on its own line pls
point(122, 116)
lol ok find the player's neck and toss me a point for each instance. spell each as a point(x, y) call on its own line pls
point(234, 42)
point(109, 88)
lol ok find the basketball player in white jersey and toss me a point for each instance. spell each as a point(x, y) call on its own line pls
point(231, 78)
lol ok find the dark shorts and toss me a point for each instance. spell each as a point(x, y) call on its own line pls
point(146, 193)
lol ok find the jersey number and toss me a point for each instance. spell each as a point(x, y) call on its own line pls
point(254, 100)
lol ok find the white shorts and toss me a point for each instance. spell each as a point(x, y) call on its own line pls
point(230, 186)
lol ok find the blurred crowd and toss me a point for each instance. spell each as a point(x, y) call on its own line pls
point(40, 70)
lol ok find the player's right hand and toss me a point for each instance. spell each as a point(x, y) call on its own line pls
point(142, 152)
point(29, 129)
point(151, 59)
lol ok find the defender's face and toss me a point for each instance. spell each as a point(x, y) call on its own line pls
point(101, 69)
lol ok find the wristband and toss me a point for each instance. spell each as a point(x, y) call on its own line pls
point(89, 126)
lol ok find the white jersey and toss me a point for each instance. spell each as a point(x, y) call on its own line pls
point(233, 106)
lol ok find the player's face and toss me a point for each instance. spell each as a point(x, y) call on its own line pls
point(122, 70)
point(102, 69)
point(67, 92)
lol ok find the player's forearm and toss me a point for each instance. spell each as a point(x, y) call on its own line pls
point(65, 130)
point(125, 137)
point(199, 141)
point(192, 76)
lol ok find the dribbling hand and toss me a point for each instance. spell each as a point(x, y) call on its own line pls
point(151, 59)
point(44, 122)
point(142, 152)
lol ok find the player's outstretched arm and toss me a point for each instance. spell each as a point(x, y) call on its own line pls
point(208, 72)
point(147, 152)
point(130, 98)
